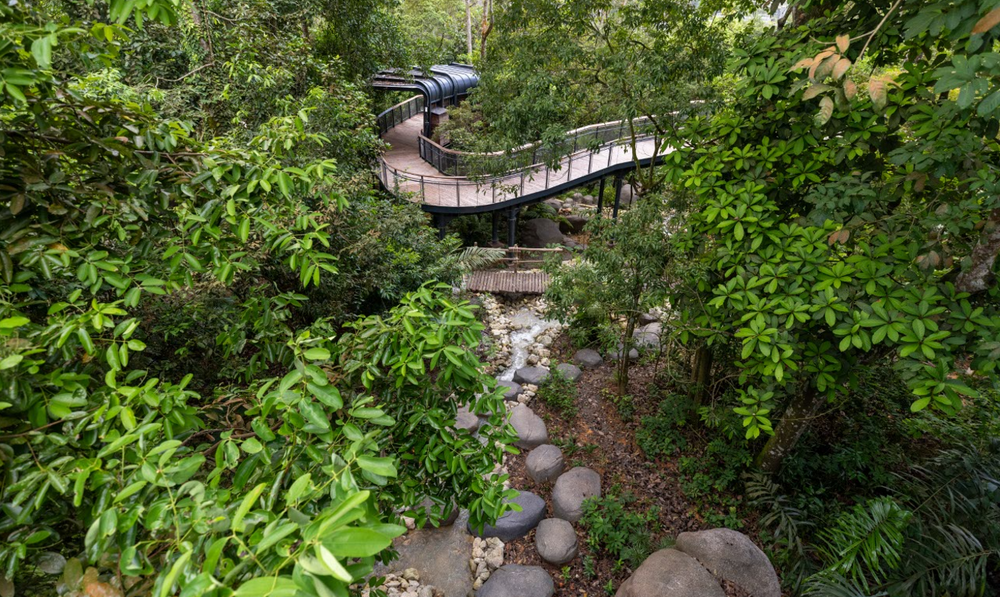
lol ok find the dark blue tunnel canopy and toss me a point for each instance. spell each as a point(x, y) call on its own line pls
point(444, 85)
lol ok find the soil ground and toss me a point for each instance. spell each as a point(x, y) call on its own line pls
point(606, 444)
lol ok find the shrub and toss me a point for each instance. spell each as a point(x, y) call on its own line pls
point(559, 393)
point(659, 435)
point(617, 529)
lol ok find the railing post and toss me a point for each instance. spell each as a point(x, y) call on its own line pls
point(600, 198)
point(422, 186)
point(522, 181)
point(458, 195)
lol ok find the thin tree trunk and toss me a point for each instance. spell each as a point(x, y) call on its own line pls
point(624, 360)
point(701, 374)
point(203, 38)
point(487, 27)
point(979, 275)
point(468, 28)
point(795, 421)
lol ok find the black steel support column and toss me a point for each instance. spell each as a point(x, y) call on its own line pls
point(441, 221)
point(600, 198)
point(496, 227)
point(618, 195)
point(512, 226)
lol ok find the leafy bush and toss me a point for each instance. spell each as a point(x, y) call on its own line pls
point(660, 435)
point(620, 531)
point(121, 227)
point(559, 393)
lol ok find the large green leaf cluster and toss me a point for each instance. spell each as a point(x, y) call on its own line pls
point(288, 476)
point(849, 218)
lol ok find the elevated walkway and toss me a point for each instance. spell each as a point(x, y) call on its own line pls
point(594, 152)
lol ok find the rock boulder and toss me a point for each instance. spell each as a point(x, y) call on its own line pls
point(588, 358)
point(530, 428)
point(534, 375)
point(545, 463)
point(513, 389)
point(513, 524)
point(555, 541)
point(541, 232)
point(670, 573)
point(732, 556)
point(571, 489)
point(569, 371)
point(573, 224)
point(514, 580)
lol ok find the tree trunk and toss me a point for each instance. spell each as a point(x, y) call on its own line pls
point(468, 28)
point(623, 360)
point(795, 421)
point(487, 27)
point(203, 35)
point(979, 275)
point(701, 374)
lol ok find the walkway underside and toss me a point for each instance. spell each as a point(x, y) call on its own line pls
point(405, 172)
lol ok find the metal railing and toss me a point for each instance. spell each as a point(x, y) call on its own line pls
point(399, 113)
point(451, 162)
point(604, 147)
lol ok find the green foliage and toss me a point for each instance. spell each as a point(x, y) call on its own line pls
point(712, 479)
point(116, 220)
point(619, 530)
point(621, 274)
point(554, 66)
point(866, 541)
point(841, 226)
point(660, 435)
point(559, 393)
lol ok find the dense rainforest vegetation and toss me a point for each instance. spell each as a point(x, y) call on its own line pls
point(229, 361)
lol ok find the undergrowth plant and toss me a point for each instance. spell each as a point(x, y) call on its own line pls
point(559, 392)
point(618, 528)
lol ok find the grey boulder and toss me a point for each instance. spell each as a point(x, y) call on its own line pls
point(670, 573)
point(588, 358)
point(512, 389)
point(573, 224)
point(571, 489)
point(648, 336)
point(532, 375)
point(569, 371)
point(647, 318)
point(529, 427)
point(541, 232)
point(555, 541)
point(514, 580)
point(513, 524)
point(627, 195)
point(467, 420)
point(633, 355)
point(545, 463)
point(732, 556)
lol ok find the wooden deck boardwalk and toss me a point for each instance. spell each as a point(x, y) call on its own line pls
point(404, 171)
point(507, 282)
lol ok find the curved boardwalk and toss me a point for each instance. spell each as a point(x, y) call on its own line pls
point(403, 170)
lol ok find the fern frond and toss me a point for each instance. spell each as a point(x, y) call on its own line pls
point(867, 541)
point(831, 584)
point(473, 258)
point(943, 560)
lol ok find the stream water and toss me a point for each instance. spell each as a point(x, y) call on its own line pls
point(531, 327)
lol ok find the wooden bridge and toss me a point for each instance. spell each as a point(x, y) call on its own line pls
point(513, 279)
point(507, 282)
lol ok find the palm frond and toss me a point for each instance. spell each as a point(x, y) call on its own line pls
point(473, 258)
point(831, 584)
point(867, 541)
